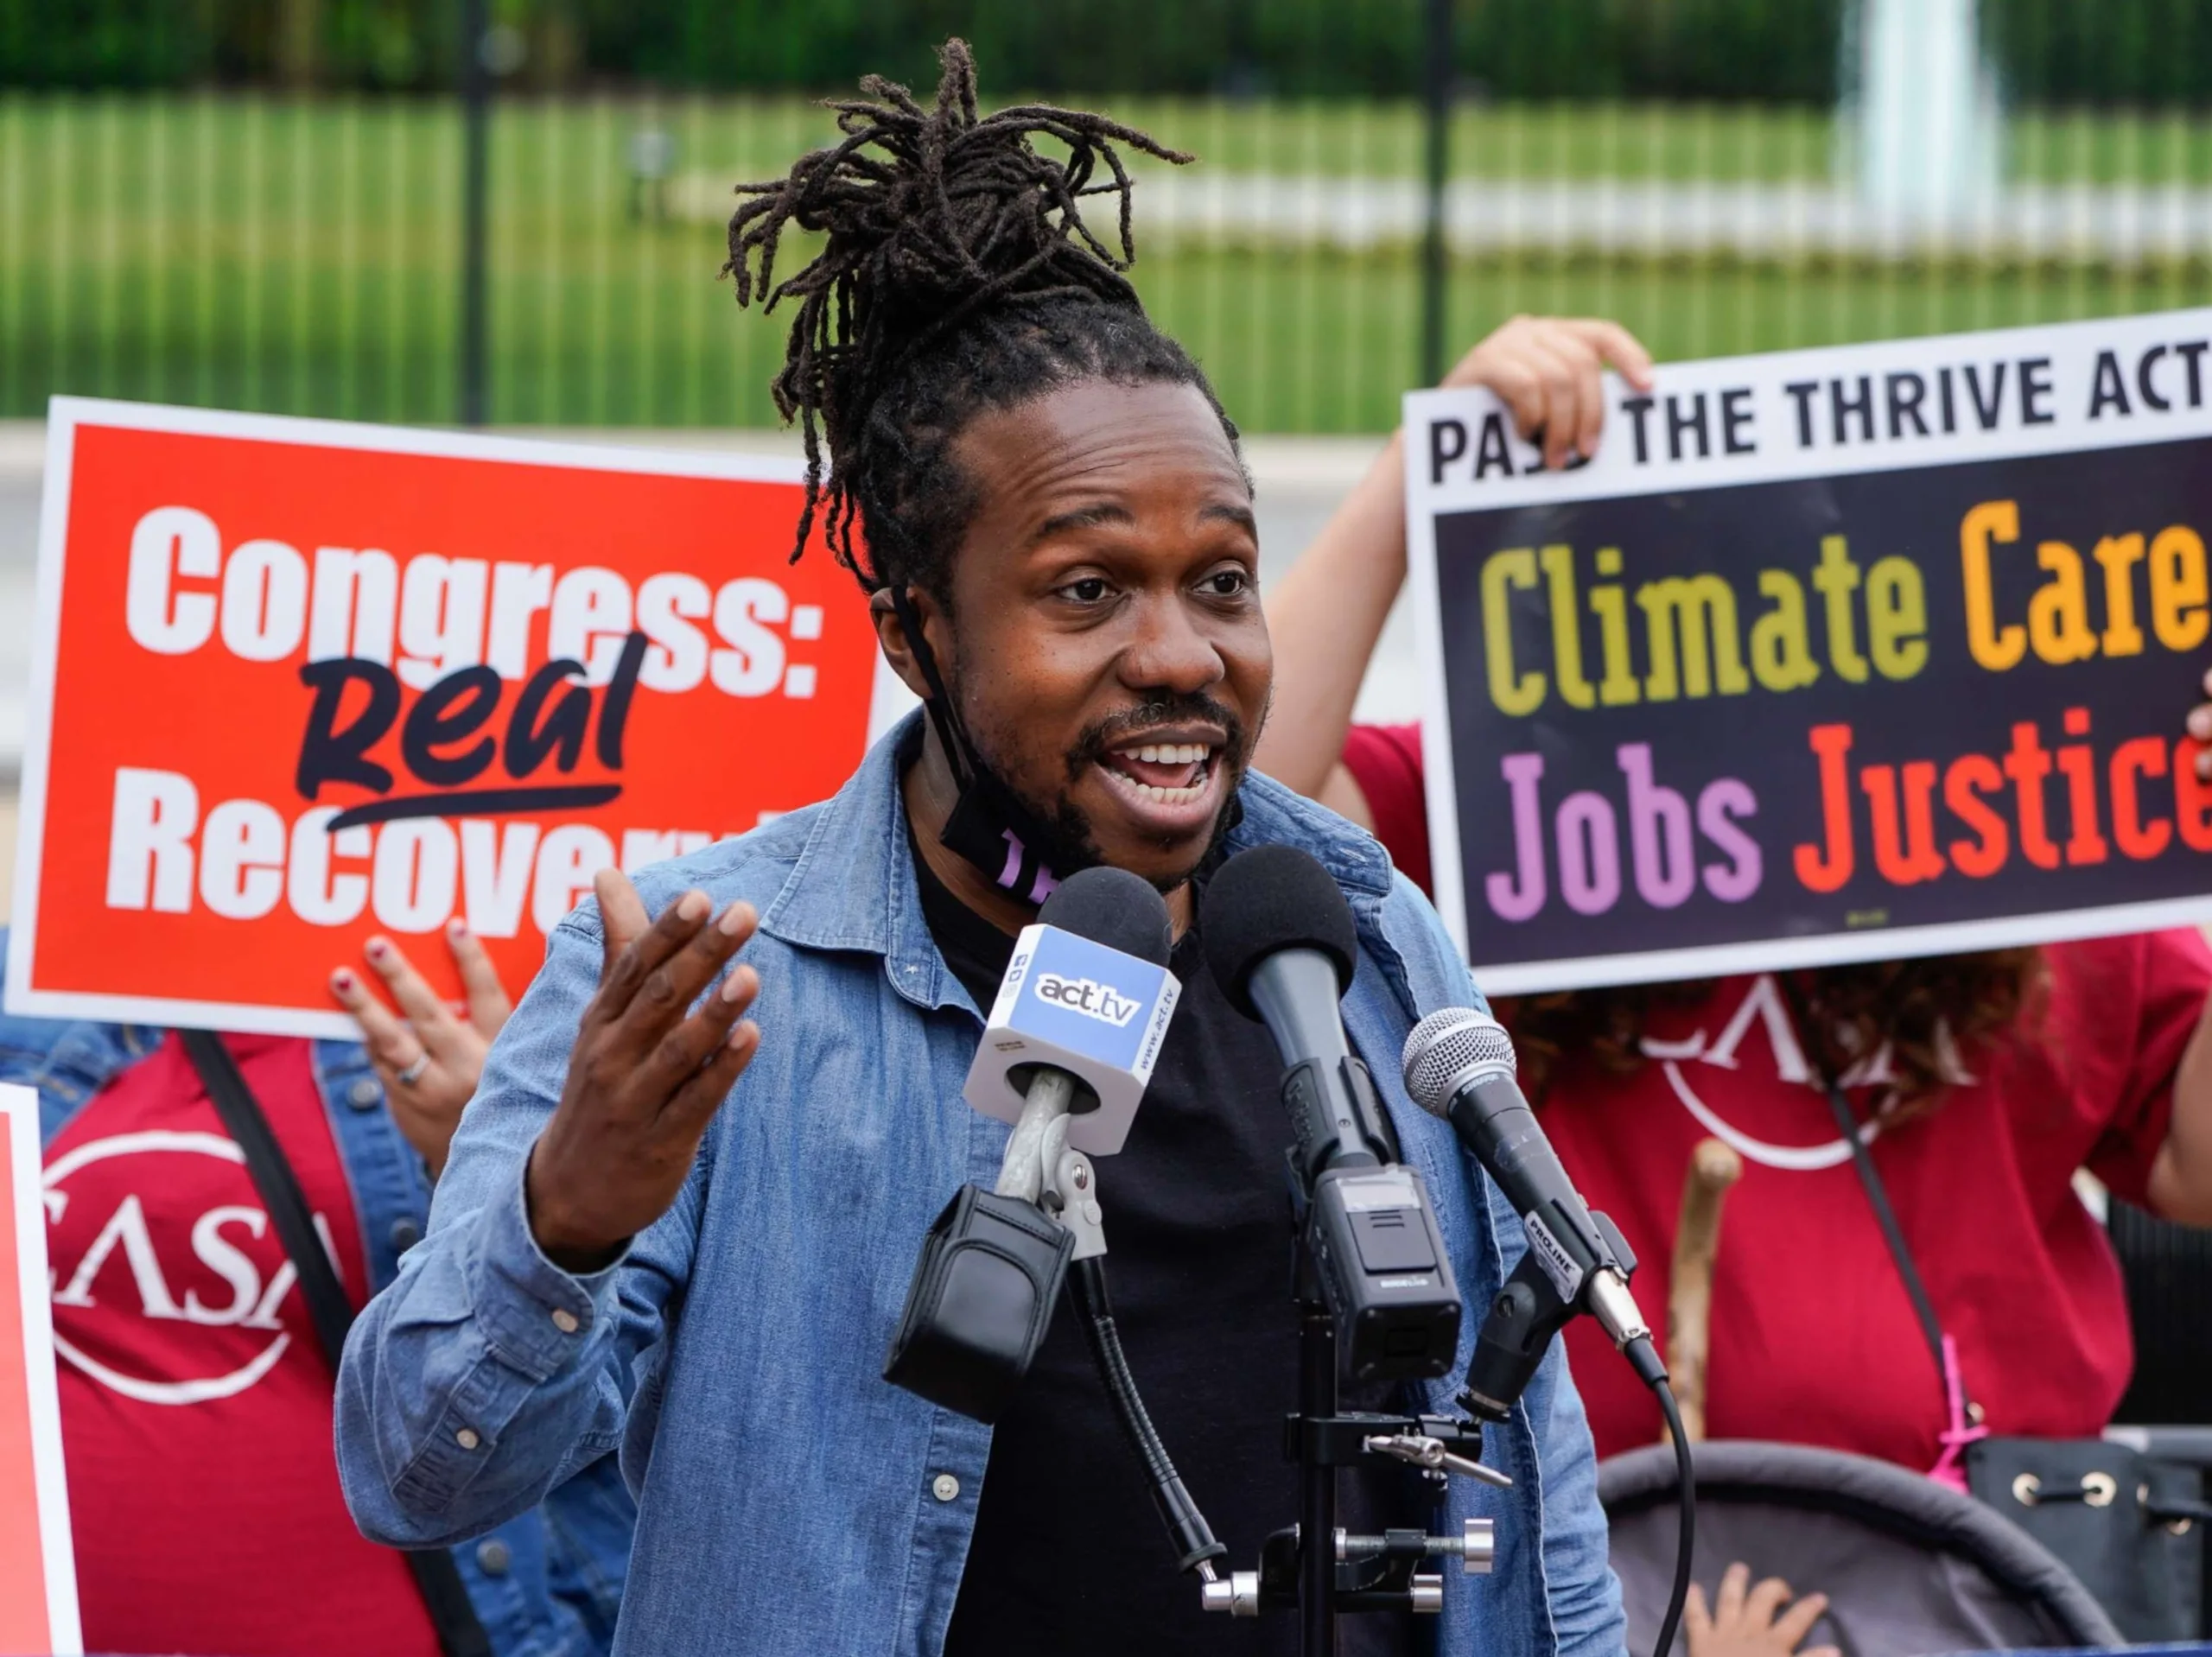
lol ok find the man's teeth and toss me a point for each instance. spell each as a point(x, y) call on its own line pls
point(1195, 754)
point(1168, 795)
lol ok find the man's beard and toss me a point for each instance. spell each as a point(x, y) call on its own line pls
point(1071, 844)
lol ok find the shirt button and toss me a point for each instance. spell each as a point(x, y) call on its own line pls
point(467, 1438)
point(492, 1557)
point(944, 1487)
point(404, 1235)
point(565, 1321)
point(365, 1095)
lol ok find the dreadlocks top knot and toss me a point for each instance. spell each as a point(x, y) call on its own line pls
point(958, 274)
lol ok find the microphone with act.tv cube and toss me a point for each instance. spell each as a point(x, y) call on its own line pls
point(1078, 1021)
point(1071, 1042)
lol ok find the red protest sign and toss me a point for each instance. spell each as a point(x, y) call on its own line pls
point(300, 681)
point(38, 1580)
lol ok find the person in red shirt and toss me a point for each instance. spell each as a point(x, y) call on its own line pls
point(1982, 1081)
point(196, 1397)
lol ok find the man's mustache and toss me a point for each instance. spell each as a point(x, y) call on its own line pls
point(1117, 728)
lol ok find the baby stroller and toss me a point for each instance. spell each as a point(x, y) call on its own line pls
point(1910, 1566)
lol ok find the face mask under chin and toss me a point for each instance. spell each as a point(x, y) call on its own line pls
point(1013, 847)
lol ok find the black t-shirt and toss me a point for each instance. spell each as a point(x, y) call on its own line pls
point(1068, 1554)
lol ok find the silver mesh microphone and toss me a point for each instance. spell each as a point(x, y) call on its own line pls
point(1449, 1049)
point(1458, 1065)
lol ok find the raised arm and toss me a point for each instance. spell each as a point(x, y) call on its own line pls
point(1329, 610)
point(502, 1358)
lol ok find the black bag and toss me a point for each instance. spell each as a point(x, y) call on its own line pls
point(981, 1302)
point(2124, 1521)
point(444, 1595)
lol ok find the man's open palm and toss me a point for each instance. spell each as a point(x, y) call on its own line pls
point(646, 1076)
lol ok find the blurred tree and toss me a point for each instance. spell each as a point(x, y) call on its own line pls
point(299, 42)
point(2126, 52)
point(2135, 52)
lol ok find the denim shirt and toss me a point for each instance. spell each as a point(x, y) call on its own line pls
point(789, 1499)
point(546, 1582)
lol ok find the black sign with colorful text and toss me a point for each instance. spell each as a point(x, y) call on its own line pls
point(1827, 656)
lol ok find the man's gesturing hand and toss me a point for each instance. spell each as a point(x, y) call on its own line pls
point(645, 1077)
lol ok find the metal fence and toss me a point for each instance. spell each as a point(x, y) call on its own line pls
point(255, 249)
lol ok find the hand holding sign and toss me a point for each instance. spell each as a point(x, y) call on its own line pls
point(1550, 369)
point(2200, 727)
point(645, 1078)
point(429, 1060)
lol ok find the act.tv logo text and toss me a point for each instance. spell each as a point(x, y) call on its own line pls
point(1089, 997)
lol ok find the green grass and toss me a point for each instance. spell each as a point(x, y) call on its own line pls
point(303, 256)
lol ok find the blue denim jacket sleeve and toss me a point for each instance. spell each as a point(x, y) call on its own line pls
point(67, 1060)
point(1583, 1594)
point(484, 1375)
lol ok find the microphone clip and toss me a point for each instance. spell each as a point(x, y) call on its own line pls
point(1069, 1192)
point(1567, 1269)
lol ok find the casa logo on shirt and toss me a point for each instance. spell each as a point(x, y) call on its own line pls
point(1089, 997)
point(160, 1307)
point(1762, 1012)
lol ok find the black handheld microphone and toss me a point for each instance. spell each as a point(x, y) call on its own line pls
point(1280, 939)
point(1459, 1065)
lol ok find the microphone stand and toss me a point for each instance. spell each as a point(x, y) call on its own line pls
point(1067, 1188)
point(1317, 1480)
point(1337, 1573)
point(1342, 1573)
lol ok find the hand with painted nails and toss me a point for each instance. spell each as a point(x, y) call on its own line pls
point(646, 1074)
point(1547, 370)
point(429, 1055)
point(1748, 1622)
point(2199, 725)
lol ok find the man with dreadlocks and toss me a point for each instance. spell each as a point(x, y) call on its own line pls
point(671, 1226)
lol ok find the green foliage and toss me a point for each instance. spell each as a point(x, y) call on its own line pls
point(2125, 52)
point(2108, 52)
point(2156, 53)
point(1781, 51)
point(385, 44)
point(1768, 51)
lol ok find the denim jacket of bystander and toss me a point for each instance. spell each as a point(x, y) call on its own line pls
point(547, 1581)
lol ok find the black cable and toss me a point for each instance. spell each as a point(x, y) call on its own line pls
point(1187, 1529)
point(1686, 1538)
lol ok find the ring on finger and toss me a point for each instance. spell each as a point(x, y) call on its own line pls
point(413, 1073)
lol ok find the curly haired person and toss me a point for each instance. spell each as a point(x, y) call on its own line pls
point(1981, 1081)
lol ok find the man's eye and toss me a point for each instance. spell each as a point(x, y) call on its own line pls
point(1227, 583)
point(1089, 590)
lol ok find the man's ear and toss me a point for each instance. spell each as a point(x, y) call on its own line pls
point(890, 634)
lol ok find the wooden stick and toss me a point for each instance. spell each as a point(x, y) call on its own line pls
point(1714, 1168)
